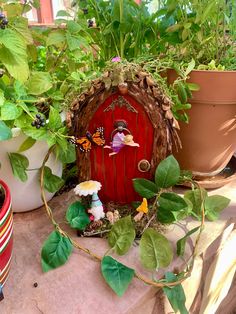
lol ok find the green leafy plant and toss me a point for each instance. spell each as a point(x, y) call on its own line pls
point(204, 31)
point(40, 70)
point(170, 206)
point(155, 250)
point(119, 28)
point(125, 31)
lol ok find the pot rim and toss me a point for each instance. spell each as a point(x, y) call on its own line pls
point(213, 71)
point(7, 200)
point(208, 71)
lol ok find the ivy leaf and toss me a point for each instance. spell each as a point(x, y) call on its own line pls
point(54, 119)
point(77, 216)
point(19, 164)
point(214, 205)
point(169, 204)
point(166, 217)
point(145, 188)
point(51, 182)
point(196, 197)
point(39, 83)
point(117, 275)
point(37, 134)
point(167, 173)
point(61, 143)
point(5, 132)
point(182, 214)
point(175, 295)
point(172, 202)
point(27, 144)
point(122, 235)
point(182, 242)
point(55, 251)
point(67, 156)
point(155, 250)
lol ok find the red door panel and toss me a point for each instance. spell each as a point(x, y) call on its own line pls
point(116, 172)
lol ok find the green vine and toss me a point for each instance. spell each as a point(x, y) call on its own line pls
point(77, 245)
point(155, 249)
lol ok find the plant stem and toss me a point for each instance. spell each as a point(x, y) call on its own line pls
point(217, 32)
point(121, 33)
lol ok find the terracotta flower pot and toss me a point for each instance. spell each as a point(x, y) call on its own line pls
point(209, 140)
point(6, 229)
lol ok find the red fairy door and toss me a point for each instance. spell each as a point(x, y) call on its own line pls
point(117, 171)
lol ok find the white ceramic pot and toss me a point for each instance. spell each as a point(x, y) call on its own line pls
point(26, 195)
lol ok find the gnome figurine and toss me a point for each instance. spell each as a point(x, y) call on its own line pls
point(96, 209)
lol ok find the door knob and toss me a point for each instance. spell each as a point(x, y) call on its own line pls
point(144, 165)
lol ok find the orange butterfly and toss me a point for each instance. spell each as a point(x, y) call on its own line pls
point(85, 143)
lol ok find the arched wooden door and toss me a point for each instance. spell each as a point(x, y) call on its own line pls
point(116, 172)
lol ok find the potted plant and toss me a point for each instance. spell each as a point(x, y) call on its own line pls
point(205, 32)
point(36, 83)
point(6, 229)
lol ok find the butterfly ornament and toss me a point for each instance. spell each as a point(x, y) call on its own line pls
point(85, 143)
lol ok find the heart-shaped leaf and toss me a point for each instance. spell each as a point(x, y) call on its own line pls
point(27, 144)
point(55, 122)
point(196, 197)
point(117, 275)
point(122, 235)
point(172, 202)
point(155, 250)
point(214, 205)
point(19, 164)
point(55, 251)
point(145, 188)
point(77, 216)
point(169, 205)
point(175, 295)
point(167, 173)
point(51, 182)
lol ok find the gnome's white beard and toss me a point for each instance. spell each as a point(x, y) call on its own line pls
point(97, 212)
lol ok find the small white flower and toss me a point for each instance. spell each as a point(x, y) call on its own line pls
point(87, 188)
